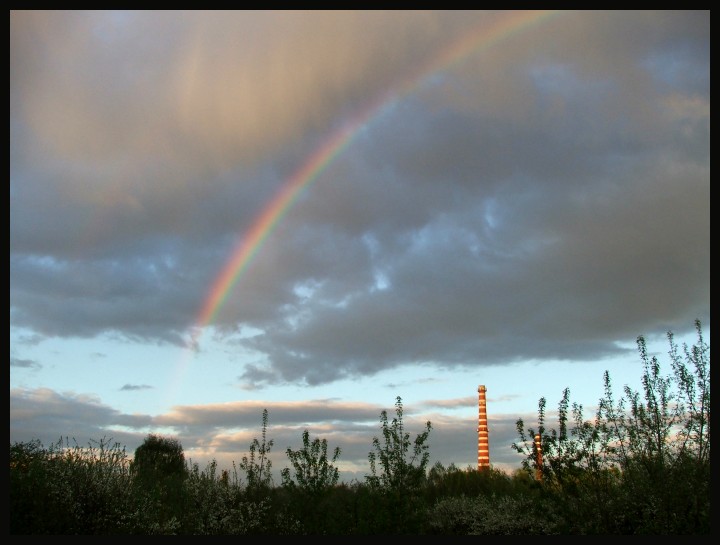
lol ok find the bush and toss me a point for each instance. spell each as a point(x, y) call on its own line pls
point(69, 490)
point(643, 464)
point(492, 515)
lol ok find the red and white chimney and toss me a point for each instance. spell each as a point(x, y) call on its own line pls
point(483, 446)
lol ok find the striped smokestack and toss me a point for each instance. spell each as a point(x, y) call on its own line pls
point(483, 447)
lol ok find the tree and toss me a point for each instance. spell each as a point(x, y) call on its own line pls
point(398, 472)
point(662, 442)
point(159, 473)
point(314, 501)
point(158, 459)
point(642, 465)
point(257, 466)
point(313, 472)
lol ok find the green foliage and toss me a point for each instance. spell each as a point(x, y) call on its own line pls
point(693, 400)
point(158, 459)
point(491, 515)
point(257, 466)
point(216, 505)
point(398, 472)
point(68, 490)
point(453, 482)
point(311, 488)
point(159, 471)
point(393, 504)
point(642, 465)
point(313, 472)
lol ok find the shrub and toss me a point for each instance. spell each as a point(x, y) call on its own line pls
point(643, 464)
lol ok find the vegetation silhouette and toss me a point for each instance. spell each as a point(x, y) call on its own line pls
point(641, 465)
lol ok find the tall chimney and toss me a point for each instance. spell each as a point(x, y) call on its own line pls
point(483, 447)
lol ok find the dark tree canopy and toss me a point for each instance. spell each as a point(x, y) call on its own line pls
point(159, 457)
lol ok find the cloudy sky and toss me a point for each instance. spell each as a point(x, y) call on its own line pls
point(310, 212)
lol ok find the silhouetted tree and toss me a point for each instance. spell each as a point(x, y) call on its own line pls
point(158, 459)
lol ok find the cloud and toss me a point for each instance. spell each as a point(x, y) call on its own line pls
point(135, 387)
point(538, 200)
point(224, 432)
point(23, 363)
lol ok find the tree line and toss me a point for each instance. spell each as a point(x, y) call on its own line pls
point(640, 465)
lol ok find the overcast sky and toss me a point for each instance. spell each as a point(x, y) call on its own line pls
point(497, 198)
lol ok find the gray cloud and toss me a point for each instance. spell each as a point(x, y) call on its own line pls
point(225, 432)
point(546, 197)
point(135, 387)
point(24, 363)
point(144, 145)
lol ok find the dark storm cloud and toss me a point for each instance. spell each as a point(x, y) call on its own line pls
point(540, 200)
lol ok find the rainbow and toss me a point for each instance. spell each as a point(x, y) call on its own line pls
point(478, 40)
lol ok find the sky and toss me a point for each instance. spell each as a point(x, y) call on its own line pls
point(214, 213)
